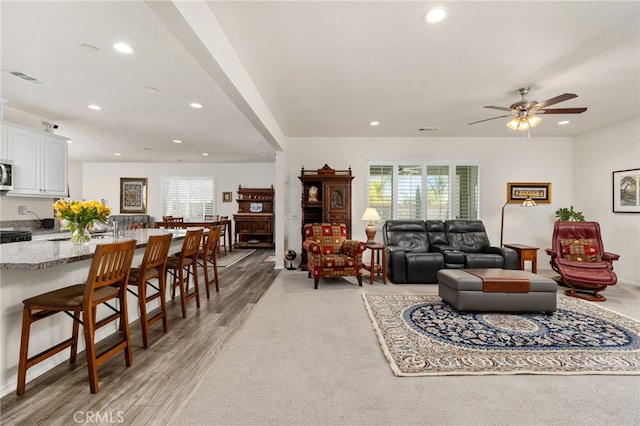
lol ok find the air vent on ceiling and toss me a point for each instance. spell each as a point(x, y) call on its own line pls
point(26, 77)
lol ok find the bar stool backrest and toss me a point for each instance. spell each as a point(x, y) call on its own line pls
point(155, 255)
point(110, 266)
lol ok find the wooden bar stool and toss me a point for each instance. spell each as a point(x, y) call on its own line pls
point(153, 267)
point(207, 257)
point(223, 235)
point(183, 265)
point(106, 282)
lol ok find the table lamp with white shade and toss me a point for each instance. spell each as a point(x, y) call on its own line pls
point(370, 214)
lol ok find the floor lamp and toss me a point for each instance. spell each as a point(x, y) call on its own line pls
point(528, 202)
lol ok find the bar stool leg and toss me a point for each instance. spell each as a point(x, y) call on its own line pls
point(24, 351)
point(163, 301)
point(142, 306)
point(90, 350)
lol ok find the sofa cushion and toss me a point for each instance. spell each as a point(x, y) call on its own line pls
point(410, 235)
point(467, 235)
point(436, 232)
point(338, 261)
point(127, 221)
point(582, 250)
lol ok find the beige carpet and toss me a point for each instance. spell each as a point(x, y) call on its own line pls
point(311, 357)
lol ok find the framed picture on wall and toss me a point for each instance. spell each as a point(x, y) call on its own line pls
point(626, 191)
point(133, 195)
point(540, 192)
point(226, 197)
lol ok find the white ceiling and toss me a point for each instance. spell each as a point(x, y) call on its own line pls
point(321, 68)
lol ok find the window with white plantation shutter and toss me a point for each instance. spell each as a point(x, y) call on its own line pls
point(189, 196)
point(438, 193)
point(381, 190)
point(468, 192)
point(409, 192)
point(431, 190)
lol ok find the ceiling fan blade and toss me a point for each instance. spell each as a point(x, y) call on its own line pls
point(488, 119)
point(497, 107)
point(553, 101)
point(562, 111)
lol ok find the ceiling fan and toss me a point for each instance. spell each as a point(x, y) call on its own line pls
point(525, 110)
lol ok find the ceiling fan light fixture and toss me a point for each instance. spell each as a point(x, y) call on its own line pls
point(524, 123)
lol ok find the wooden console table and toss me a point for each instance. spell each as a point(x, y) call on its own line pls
point(526, 253)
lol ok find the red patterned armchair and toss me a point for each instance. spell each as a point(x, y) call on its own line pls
point(578, 256)
point(330, 254)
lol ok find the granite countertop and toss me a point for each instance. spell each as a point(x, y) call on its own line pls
point(43, 254)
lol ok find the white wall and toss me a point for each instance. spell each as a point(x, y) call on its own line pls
point(588, 161)
point(503, 160)
point(102, 180)
point(596, 156)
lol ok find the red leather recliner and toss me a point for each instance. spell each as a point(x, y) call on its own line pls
point(578, 256)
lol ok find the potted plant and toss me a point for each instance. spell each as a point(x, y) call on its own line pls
point(569, 214)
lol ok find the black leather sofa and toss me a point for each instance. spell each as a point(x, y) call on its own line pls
point(416, 250)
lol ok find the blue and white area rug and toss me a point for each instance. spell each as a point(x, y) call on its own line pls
point(423, 336)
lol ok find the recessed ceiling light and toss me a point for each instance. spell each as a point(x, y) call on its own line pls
point(177, 141)
point(435, 15)
point(117, 154)
point(151, 89)
point(563, 122)
point(123, 48)
point(374, 123)
point(195, 105)
point(94, 107)
point(205, 154)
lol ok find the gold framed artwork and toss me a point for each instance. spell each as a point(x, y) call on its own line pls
point(133, 195)
point(540, 192)
point(226, 197)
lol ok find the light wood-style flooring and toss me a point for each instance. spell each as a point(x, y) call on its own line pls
point(161, 378)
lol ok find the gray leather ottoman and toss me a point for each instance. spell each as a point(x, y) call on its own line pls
point(467, 292)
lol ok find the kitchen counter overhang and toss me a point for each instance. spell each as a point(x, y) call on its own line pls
point(41, 254)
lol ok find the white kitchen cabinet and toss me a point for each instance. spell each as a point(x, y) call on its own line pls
point(39, 162)
point(4, 146)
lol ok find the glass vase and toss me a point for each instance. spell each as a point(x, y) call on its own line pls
point(80, 234)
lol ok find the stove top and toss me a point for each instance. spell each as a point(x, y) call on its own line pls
point(14, 236)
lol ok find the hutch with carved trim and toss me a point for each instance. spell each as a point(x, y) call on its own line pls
point(326, 197)
point(254, 220)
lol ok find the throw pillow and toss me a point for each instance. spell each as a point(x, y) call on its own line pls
point(582, 250)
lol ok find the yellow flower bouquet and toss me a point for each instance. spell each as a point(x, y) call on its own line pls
point(77, 216)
